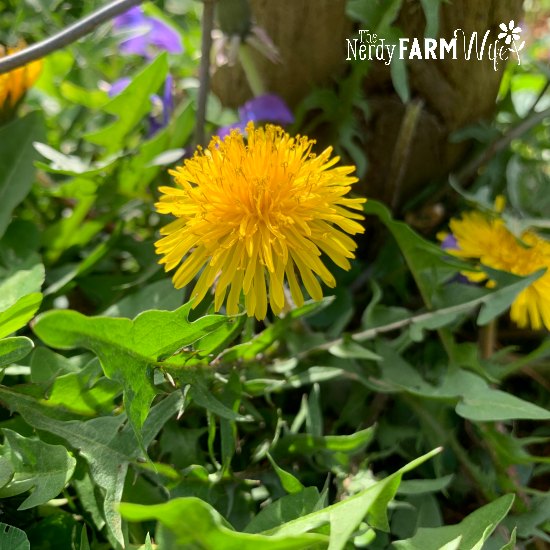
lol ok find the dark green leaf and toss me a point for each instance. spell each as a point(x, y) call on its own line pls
point(108, 444)
point(131, 105)
point(13, 349)
point(16, 158)
point(472, 531)
point(44, 468)
point(12, 538)
point(128, 350)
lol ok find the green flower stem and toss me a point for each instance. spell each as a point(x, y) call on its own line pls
point(250, 69)
point(488, 339)
point(204, 69)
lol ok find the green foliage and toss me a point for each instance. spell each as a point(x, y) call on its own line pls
point(130, 350)
point(16, 157)
point(132, 420)
point(470, 533)
point(12, 538)
point(44, 468)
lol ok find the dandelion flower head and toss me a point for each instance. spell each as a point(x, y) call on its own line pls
point(252, 214)
point(14, 84)
point(488, 240)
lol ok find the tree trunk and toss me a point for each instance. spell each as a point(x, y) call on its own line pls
point(311, 36)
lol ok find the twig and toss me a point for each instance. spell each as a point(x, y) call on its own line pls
point(371, 333)
point(402, 151)
point(204, 70)
point(470, 170)
point(66, 36)
point(488, 339)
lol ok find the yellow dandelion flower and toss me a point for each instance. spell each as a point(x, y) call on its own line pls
point(254, 214)
point(487, 239)
point(14, 84)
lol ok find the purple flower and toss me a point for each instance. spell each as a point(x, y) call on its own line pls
point(161, 107)
point(145, 33)
point(264, 108)
point(449, 242)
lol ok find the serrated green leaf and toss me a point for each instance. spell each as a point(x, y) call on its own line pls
point(478, 401)
point(19, 279)
point(128, 349)
point(205, 527)
point(44, 468)
point(345, 517)
point(131, 105)
point(85, 392)
point(108, 444)
point(12, 538)
point(477, 527)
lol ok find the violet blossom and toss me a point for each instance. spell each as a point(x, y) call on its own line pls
point(264, 108)
point(144, 34)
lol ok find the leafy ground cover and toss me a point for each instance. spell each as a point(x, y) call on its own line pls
point(404, 408)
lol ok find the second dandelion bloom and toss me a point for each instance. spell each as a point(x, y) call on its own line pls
point(14, 84)
point(252, 215)
point(487, 239)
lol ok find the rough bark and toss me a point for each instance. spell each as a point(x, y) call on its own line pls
point(310, 36)
point(454, 93)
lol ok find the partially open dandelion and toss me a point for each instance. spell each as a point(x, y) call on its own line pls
point(255, 214)
point(13, 85)
point(486, 239)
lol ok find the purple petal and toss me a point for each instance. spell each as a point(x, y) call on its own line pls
point(224, 131)
point(136, 45)
point(165, 37)
point(133, 17)
point(450, 243)
point(118, 86)
point(167, 100)
point(266, 108)
point(145, 31)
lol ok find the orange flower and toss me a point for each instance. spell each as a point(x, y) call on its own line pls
point(14, 84)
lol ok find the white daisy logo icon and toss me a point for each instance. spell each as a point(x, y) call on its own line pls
point(509, 32)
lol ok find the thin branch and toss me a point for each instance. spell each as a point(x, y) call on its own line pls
point(66, 36)
point(500, 144)
point(204, 71)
